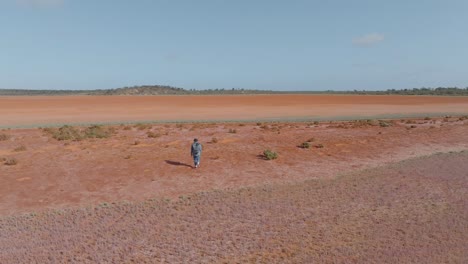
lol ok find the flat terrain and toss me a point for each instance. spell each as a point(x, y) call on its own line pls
point(46, 110)
point(375, 191)
point(414, 211)
point(145, 161)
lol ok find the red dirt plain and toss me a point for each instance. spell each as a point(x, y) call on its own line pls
point(413, 211)
point(65, 201)
point(45, 110)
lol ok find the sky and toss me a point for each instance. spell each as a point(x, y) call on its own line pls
point(250, 44)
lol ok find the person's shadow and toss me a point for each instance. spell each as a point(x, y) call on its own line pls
point(176, 163)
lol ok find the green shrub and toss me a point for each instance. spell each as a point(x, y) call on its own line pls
point(270, 155)
point(304, 145)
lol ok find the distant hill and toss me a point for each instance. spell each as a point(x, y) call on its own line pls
point(169, 90)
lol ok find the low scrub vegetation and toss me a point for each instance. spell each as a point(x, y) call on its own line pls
point(4, 137)
point(304, 145)
point(232, 131)
point(383, 123)
point(141, 126)
point(319, 146)
point(10, 161)
point(270, 155)
point(20, 148)
point(152, 134)
point(76, 134)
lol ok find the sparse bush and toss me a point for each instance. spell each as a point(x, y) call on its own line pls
point(151, 134)
point(10, 161)
point(232, 131)
point(319, 146)
point(384, 123)
point(137, 142)
point(66, 133)
point(97, 131)
point(20, 148)
point(141, 126)
point(427, 118)
point(316, 122)
point(127, 127)
point(259, 124)
point(4, 137)
point(304, 145)
point(311, 139)
point(214, 140)
point(270, 155)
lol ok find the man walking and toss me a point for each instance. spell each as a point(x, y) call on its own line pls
point(195, 152)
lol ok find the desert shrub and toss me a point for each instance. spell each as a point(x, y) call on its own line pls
point(413, 126)
point(97, 131)
point(10, 161)
point(304, 145)
point(20, 148)
point(233, 131)
point(259, 123)
point(141, 126)
point(311, 139)
point(316, 122)
point(384, 123)
point(214, 140)
point(136, 142)
point(151, 134)
point(427, 118)
point(67, 133)
point(241, 125)
point(4, 137)
point(319, 146)
point(270, 155)
point(127, 127)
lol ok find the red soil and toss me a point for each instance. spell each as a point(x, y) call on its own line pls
point(43, 110)
point(57, 174)
point(414, 211)
point(307, 206)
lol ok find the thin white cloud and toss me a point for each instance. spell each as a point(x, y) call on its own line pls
point(40, 3)
point(369, 39)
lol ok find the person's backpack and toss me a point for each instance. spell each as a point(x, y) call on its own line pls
point(197, 149)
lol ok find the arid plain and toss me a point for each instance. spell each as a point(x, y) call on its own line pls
point(382, 179)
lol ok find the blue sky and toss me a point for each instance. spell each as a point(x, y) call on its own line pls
point(252, 44)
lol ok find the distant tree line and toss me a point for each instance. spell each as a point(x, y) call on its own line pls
point(169, 90)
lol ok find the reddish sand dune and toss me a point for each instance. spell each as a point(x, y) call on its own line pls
point(42, 110)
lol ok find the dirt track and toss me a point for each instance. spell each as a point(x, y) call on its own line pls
point(43, 110)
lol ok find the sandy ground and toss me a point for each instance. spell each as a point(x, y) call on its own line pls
point(42, 110)
point(132, 166)
point(369, 194)
point(414, 211)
